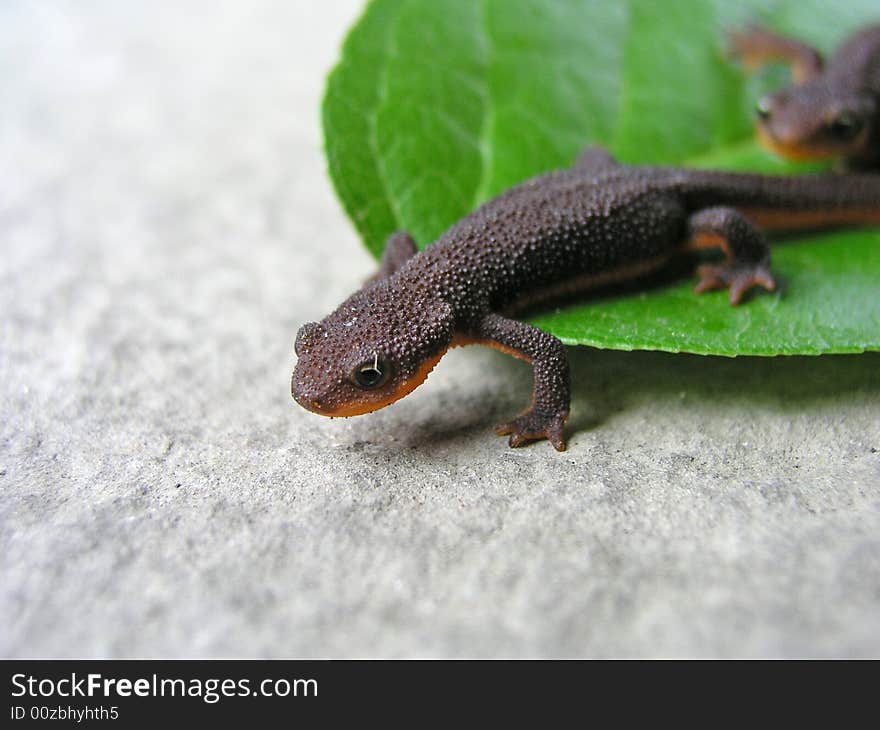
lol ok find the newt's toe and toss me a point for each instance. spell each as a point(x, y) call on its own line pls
point(534, 426)
point(738, 279)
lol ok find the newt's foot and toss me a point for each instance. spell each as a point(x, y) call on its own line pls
point(749, 46)
point(533, 426)
point(738, 46)
point(739, 279)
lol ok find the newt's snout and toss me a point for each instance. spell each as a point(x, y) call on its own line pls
point(310, 404)
point(306, 394)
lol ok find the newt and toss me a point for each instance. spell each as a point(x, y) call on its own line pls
point(831, 110)
point(557, 234)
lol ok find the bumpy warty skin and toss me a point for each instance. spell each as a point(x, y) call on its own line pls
point(542, 232)
point(553, 229)
point(566, 224)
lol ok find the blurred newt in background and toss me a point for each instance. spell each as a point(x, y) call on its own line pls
point(831, 110)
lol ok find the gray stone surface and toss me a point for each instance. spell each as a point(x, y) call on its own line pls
point(167, 224)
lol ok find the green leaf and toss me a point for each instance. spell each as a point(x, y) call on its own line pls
point(437, 106)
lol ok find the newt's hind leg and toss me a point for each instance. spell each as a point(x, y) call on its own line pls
point(399, 248)
point(756, 46)
point(747, 255)
point(594, 159)
point(550, 401)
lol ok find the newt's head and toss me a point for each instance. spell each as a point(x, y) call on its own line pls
point(815, 121)
point(377, 347)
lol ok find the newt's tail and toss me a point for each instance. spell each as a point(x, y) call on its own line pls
point(796, 203)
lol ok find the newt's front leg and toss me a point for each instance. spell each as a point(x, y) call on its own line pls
point(757, 46)
point(552, 395)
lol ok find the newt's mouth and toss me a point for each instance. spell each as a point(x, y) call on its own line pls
point(358, 403)
point(345, 410)
point(803, 152)
point(308, 399)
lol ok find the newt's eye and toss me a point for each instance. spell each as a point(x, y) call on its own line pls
point(764, 108)
point(846, 125)
point(372, 373)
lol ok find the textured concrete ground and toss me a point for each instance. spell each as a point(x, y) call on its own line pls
point(166, 224)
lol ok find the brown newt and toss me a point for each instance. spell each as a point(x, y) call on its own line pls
point(831, 110)
point(559, 233)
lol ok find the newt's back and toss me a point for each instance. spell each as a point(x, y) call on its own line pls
point(559, 227)
point(554, 227)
